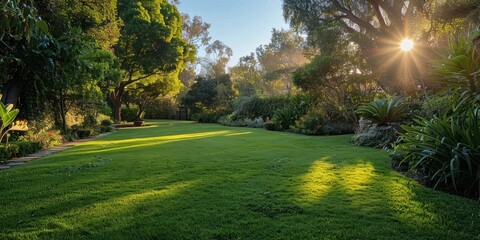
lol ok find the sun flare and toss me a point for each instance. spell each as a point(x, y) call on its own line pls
point(406, 45)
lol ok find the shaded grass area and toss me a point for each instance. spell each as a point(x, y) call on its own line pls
point(179, 180)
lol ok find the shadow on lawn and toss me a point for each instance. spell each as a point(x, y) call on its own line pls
point(276, 188)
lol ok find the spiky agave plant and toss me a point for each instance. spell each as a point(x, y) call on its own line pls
point(384, 112)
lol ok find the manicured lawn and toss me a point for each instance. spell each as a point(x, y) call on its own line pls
point(179, 180)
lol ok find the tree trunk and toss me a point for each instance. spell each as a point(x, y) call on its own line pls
point(63, 111)
point(11, 91)
point(116, 97)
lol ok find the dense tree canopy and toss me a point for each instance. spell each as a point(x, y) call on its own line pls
point(150, 45)
point(377, 27)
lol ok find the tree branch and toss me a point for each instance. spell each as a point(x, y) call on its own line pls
point(349, 15)
point(128, 82)
point(379, 15)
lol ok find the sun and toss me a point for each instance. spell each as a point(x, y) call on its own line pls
point(406, 45)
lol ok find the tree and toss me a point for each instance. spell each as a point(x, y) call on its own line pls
point(279, 59)
point(209, 93)
point(375, 26)
point(195, 31)
point(339, 77)
point(246, 76)
point(216, 62)
point(150, 45)
point(97, 18)
point(144, 95)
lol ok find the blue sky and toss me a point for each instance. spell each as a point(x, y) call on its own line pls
point(243, 25)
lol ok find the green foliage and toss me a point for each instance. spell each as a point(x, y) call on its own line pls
point(129, 114)
point(47, 138)
point(285, 118)
point(271, 126)
point(436, 106)
point(460, 69)
point(151, 47)
point(4, 153)
point(161, 108)
point(376, 136)
point(25, 148)
point(209, 94)
point(210, 116)
point(446, 150)
point(106, 122)
point(18, 149)
point(13, 149)
point(84, 133)
point(7, 116)
point(313, 123)
point(298, 106)
point(20, 20)
point(384, 112)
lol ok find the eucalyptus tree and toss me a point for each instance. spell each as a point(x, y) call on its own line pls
point(150, 45)
point(218, 56)
point(195, 31)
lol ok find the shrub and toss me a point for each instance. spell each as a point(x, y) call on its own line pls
point(25, 148)
point(376, 136)
point(108, 128)
point(161, 108)
point(271, 126)
point(210, 116)
point(436, 106)
point(84, 133)
point(13, 150)
point(446, 150)
point(338, 128)
point(100, 129)
point(129, 114)
point(254, 107)
point(89, 121)
point(106, 122)
point(253, 123)
point(47, 138)
point(4, 153)
point(310, 124)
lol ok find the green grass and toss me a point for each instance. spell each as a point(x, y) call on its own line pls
point(178, 180)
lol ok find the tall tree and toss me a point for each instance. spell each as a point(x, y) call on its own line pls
point(215, 63)
point(150, 45)
point(279, 59)
point(377, 26)
point(247, 76)
point(195, 31)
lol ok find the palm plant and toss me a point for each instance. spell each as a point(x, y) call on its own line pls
point(384, 112)
point(461, 69)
